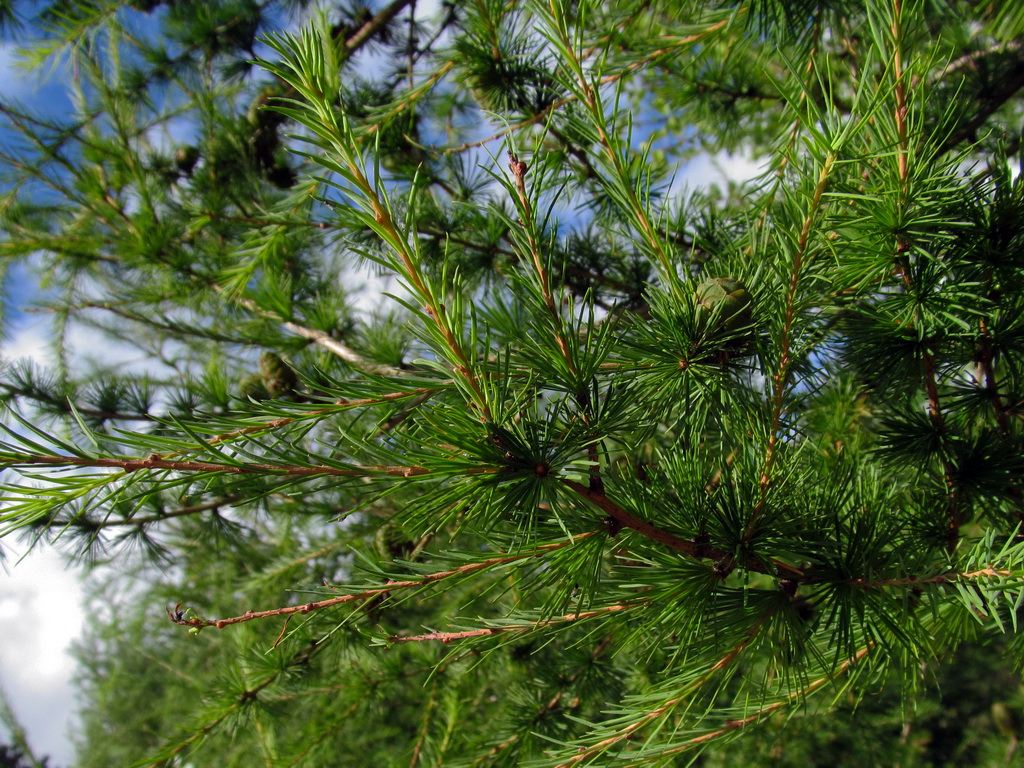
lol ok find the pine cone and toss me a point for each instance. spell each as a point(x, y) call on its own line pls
point(392, 543)
point(278, 377)
point(251, 388)
point(725, 302)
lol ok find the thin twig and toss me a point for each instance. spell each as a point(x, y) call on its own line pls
point(780, 379)
point(939, 578)
point(80, 521)
point(154, 461)
point(447, 637)
point(798, 695)
point(663, 710)
point(338, 405)
point(902, 259)
point(178, 616)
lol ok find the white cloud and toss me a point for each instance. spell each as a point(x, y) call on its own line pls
point(708, 170)
point(41, 614)
point(88, 345)
point(16, 84)
point(29, 340)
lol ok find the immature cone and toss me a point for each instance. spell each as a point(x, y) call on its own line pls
point(392, 543)
point(278, 377)
point(251, 387)
point(725, 302)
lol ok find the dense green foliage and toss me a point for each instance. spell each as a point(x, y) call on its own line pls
point(616, 473)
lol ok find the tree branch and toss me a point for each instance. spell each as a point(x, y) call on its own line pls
point(780, 379)
point(178, 616)
point(155, 461)
point(80, 521)
point(341, 404)
point(693, 549)
point(362, 36)
point(447, 637)
point(939, 578)
point(1003, 88)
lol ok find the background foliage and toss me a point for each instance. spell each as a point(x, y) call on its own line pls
point(618, 471)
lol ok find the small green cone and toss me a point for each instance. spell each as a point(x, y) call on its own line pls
point(251, 388)
point(725, 300)
point(278, 377)
point(392, 543)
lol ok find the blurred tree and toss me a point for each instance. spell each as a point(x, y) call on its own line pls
point(16, 753)
point(13, 757)
point(617, 472)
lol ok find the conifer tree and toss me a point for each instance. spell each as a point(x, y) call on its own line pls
point(616, 472)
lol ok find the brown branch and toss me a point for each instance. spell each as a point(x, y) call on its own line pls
point(953, 514)
point(322, 338)
point(363, 35)
point(696, 550)
point(613, 510)
point(971, 59)
point(178, 616)
point(154, 461)
point(987, 374)
point(405, 411)
point(902, 259)
point(1004, 88)
point(900, 92)
point(939, 578)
